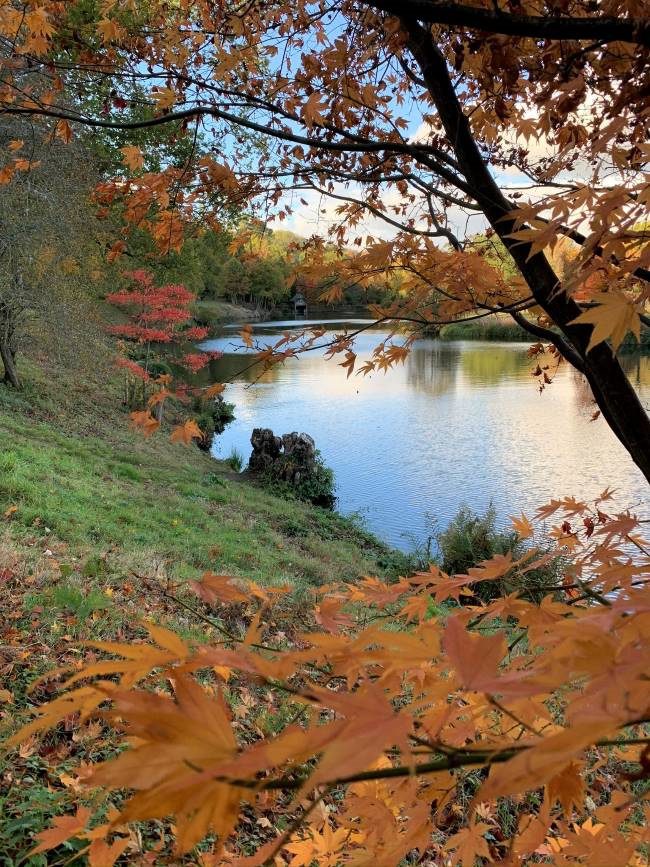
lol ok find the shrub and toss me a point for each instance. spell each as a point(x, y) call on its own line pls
point(469, 539)
point(213, 420)
point(315, 487)
point(396, 564)
point(485, 330)
point(235, 460)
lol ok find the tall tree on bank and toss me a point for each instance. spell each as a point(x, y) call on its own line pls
point(416, 114)
point(50, 242)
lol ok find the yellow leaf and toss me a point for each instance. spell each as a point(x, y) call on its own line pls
point(469, 844)
point(83, 701)
point(612, 317)
point(109, 30)
point(175, 742)
point(38, 22)
point(522, 527)
point(132, 157)
point(323, 848)
point(169, 640)
point(165, 97)
point(214, 390)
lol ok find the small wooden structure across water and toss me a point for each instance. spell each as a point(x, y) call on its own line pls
point(299, 306)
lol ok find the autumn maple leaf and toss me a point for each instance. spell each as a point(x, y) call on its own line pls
point(323, 848)
point(469, 844)
point(64, 827)
point(613, 316)
point(132, 157)
point(145, 422)
point(476, 658)
point(185, 433)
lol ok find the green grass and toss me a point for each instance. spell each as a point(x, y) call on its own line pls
point(214, 312)
point(501, 327)
point(77, 473)
point(235, 460)
point(95, 521)
point(158, 501)
point(489, 328)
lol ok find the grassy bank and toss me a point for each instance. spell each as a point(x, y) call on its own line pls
point(490, 328)
point(501, 327)
point(70, 463)
point(99, 529)
point(215, 313)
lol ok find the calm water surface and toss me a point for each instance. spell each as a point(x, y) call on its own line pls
point(459, 423)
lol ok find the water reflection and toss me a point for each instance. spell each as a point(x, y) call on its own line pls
point(489, 363)
point(432, 366)
point(459, 422)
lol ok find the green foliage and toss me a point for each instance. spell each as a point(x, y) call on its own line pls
point(235, 460)
point(267, 281)
point(213, 419)
point(316, 487)
point(71, 599)
point(198, 265)
point(488, 328)
point(234, 279)
point(470, 539)
point(398, 564)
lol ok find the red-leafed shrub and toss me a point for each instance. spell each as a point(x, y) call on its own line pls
point(160, 318)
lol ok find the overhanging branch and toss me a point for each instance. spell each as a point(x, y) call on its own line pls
point(595, 29)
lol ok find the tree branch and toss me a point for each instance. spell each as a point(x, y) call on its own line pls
point(614, 394)
point(602, 29)
point(568, 351)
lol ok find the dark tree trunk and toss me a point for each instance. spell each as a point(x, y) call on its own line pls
point(9, 362)
point(613, 392)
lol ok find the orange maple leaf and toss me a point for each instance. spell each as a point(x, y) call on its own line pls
point(185, 433)
point(476, 658)
point(469, 844)
point(612, 318)
point(132, 157)
point(145, 422)
point(323, 848)
point(522, 527)
point(214, 390)
point(64, 828)
point(103, 854)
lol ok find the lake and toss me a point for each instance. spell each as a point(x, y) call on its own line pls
point(461, 422)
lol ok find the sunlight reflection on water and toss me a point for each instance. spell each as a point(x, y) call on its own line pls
point(459, 422)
